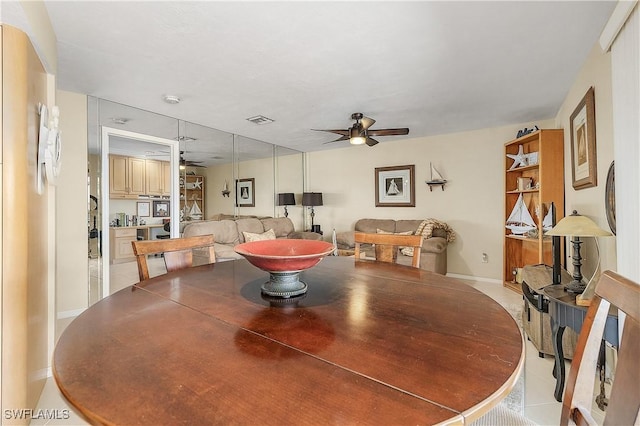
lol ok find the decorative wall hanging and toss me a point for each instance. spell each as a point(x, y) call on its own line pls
point(583, 143)
point(245, 192)
point(395, 186)
point(143, 208)
point(49, 146)
point(161, 208)
point(610, 198)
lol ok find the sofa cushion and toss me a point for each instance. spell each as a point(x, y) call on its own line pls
point(370, 226)
point(282, 226)
point(224, 231)
point(249, 225)
point(267, 235)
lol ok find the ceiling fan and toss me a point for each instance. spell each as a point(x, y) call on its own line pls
point(189, 163)
point(360, 133)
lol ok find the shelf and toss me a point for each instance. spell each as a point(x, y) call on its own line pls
point(520, 169)
point(521, 238)
point(515, 191)
point(512, 285)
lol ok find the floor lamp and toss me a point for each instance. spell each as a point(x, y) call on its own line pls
point(312, 199)
point(578, 226)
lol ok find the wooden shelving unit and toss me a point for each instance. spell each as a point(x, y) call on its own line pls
point(192, 191)
point(547, 178)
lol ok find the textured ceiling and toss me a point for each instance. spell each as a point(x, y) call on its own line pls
point(435, 67)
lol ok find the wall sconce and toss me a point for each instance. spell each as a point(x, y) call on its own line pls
point(312, 199)
point(577, 226)
point(225, 189)
point(286, 199)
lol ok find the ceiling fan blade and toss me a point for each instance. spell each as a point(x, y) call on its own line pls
point(367, 122)
point(343, 138)
point(371, 141)
point(388, 132)
point(337, 131)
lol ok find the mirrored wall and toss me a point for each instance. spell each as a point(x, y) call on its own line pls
point(220, 175)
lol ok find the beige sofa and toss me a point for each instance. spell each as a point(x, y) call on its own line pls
point(228, 233)
point(434, 249)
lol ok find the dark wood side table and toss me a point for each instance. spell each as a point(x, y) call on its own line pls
point(536, 320)
point(565, 313)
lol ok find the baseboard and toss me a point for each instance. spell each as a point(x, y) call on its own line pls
point(70, 314)
point(472, 278)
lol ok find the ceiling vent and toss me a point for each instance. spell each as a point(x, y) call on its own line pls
point(260, 119)
point(171, 99)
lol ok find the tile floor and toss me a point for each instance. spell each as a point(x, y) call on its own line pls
point(539, 403)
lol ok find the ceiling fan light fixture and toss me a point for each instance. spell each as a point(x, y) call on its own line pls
point(355, 136)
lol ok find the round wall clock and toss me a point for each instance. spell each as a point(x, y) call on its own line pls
point(610, 198)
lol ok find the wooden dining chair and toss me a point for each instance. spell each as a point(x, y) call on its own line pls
point(388, 245)
point(178, 252)
point(624, 401)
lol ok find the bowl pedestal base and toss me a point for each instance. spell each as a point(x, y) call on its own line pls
point(284, 284)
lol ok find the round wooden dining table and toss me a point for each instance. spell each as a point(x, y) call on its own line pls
point(370, 343)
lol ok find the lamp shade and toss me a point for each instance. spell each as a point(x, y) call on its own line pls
point(286, 199)
point(312, 199)
point(576, 225)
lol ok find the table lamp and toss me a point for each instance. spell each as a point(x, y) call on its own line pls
point(286, 199)
point(312, 199)
point(577, 226)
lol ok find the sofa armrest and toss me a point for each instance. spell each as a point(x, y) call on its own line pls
point(434, 245)
point(346, 240)
point(304, 235)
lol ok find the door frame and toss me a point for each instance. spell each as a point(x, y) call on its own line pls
point(174, 149)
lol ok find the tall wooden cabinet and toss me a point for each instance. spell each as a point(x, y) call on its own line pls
point(540, 182)
point(192, 197)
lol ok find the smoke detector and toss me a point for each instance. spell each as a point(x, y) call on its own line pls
point(171, 99)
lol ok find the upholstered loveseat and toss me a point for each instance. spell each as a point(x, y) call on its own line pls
point(228, 233)
point(436, 234)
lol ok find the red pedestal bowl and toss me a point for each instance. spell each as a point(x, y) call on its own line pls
point(284, 259)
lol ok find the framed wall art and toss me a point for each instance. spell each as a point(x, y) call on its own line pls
point(395, 186)
point(143, 208)
point(583, 143)
point(245, 192)
point(161, 208)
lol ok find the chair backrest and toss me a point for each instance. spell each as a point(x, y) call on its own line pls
point(624, 402)
point(387, 246)
point(178, 252)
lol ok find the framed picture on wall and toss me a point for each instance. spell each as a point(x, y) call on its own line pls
point(583, 143)
point(161, 208)
point(395, 186)
point(245, 192)
point(143, 208)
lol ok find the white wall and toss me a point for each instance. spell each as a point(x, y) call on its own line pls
point(472, 201)
point(72, 270)
point(595, 72)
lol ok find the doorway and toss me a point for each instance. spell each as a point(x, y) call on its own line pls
point(138, 146)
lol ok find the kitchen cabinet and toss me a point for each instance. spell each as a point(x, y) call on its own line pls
point(127, 177)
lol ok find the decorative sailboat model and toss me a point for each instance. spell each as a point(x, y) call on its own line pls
point(436, 179)
point(520, 221)
point(195, 212)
